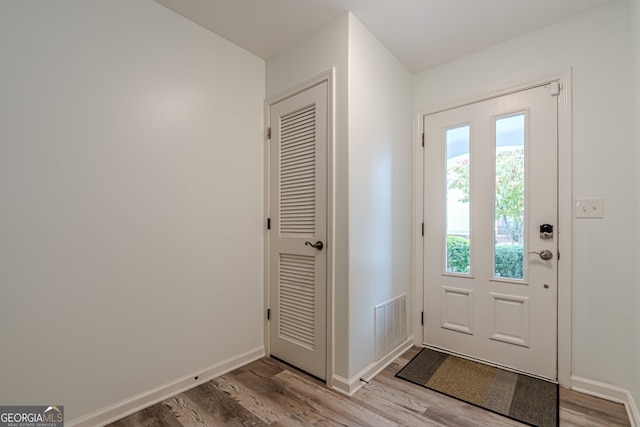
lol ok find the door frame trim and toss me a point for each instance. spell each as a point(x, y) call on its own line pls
point(565, 210)
point(328, 77)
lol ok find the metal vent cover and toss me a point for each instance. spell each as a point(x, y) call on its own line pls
point(390, 325)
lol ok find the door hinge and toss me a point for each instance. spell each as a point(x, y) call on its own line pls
point(423, 139)
point(268, 314)
point(558, 255)
point(268, 223)
point(423, 228)
point(422, 318)
point(269, 133)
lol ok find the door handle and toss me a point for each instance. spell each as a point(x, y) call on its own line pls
point(318, 245)
point(544, 254)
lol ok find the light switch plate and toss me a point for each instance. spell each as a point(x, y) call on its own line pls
point(589, 208)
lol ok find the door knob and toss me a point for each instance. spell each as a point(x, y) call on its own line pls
point(544, 254)
point(318, 245)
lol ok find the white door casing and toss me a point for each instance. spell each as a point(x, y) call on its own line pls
point(508, 322)
point(298, 219)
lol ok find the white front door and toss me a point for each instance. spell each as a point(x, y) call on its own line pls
point(298, 232)
point(490, 230)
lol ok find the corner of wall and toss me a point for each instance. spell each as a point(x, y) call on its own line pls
point(349, 386)
point(608, 392)
point(635, 26)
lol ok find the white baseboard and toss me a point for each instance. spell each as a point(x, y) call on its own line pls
point(134, 404)
point(608, 392)
point(632, 410)
point(352, 385)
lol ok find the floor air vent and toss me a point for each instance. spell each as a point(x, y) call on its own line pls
point(391, 325)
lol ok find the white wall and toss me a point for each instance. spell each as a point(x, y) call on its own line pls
point(635, 25)
point(596, 44)
point(308, 58)
point(131, 187)
point(380, 187)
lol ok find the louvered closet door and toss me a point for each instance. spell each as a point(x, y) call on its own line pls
point(298, 181)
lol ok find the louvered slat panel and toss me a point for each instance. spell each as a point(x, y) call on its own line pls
point(297, 173)
point(297, 299)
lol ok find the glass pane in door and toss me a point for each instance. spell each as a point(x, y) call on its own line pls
point(509, 197)
point(457, 201)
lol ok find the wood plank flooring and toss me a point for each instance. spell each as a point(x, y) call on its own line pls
point(270, 393)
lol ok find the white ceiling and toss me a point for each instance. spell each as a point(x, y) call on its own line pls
point(421, 33)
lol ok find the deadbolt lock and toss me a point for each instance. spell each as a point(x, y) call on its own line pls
point(546, 231)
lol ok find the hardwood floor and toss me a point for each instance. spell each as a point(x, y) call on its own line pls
point(270, 393)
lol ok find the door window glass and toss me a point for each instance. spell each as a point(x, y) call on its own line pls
point(458, 258)
point(509, 197)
